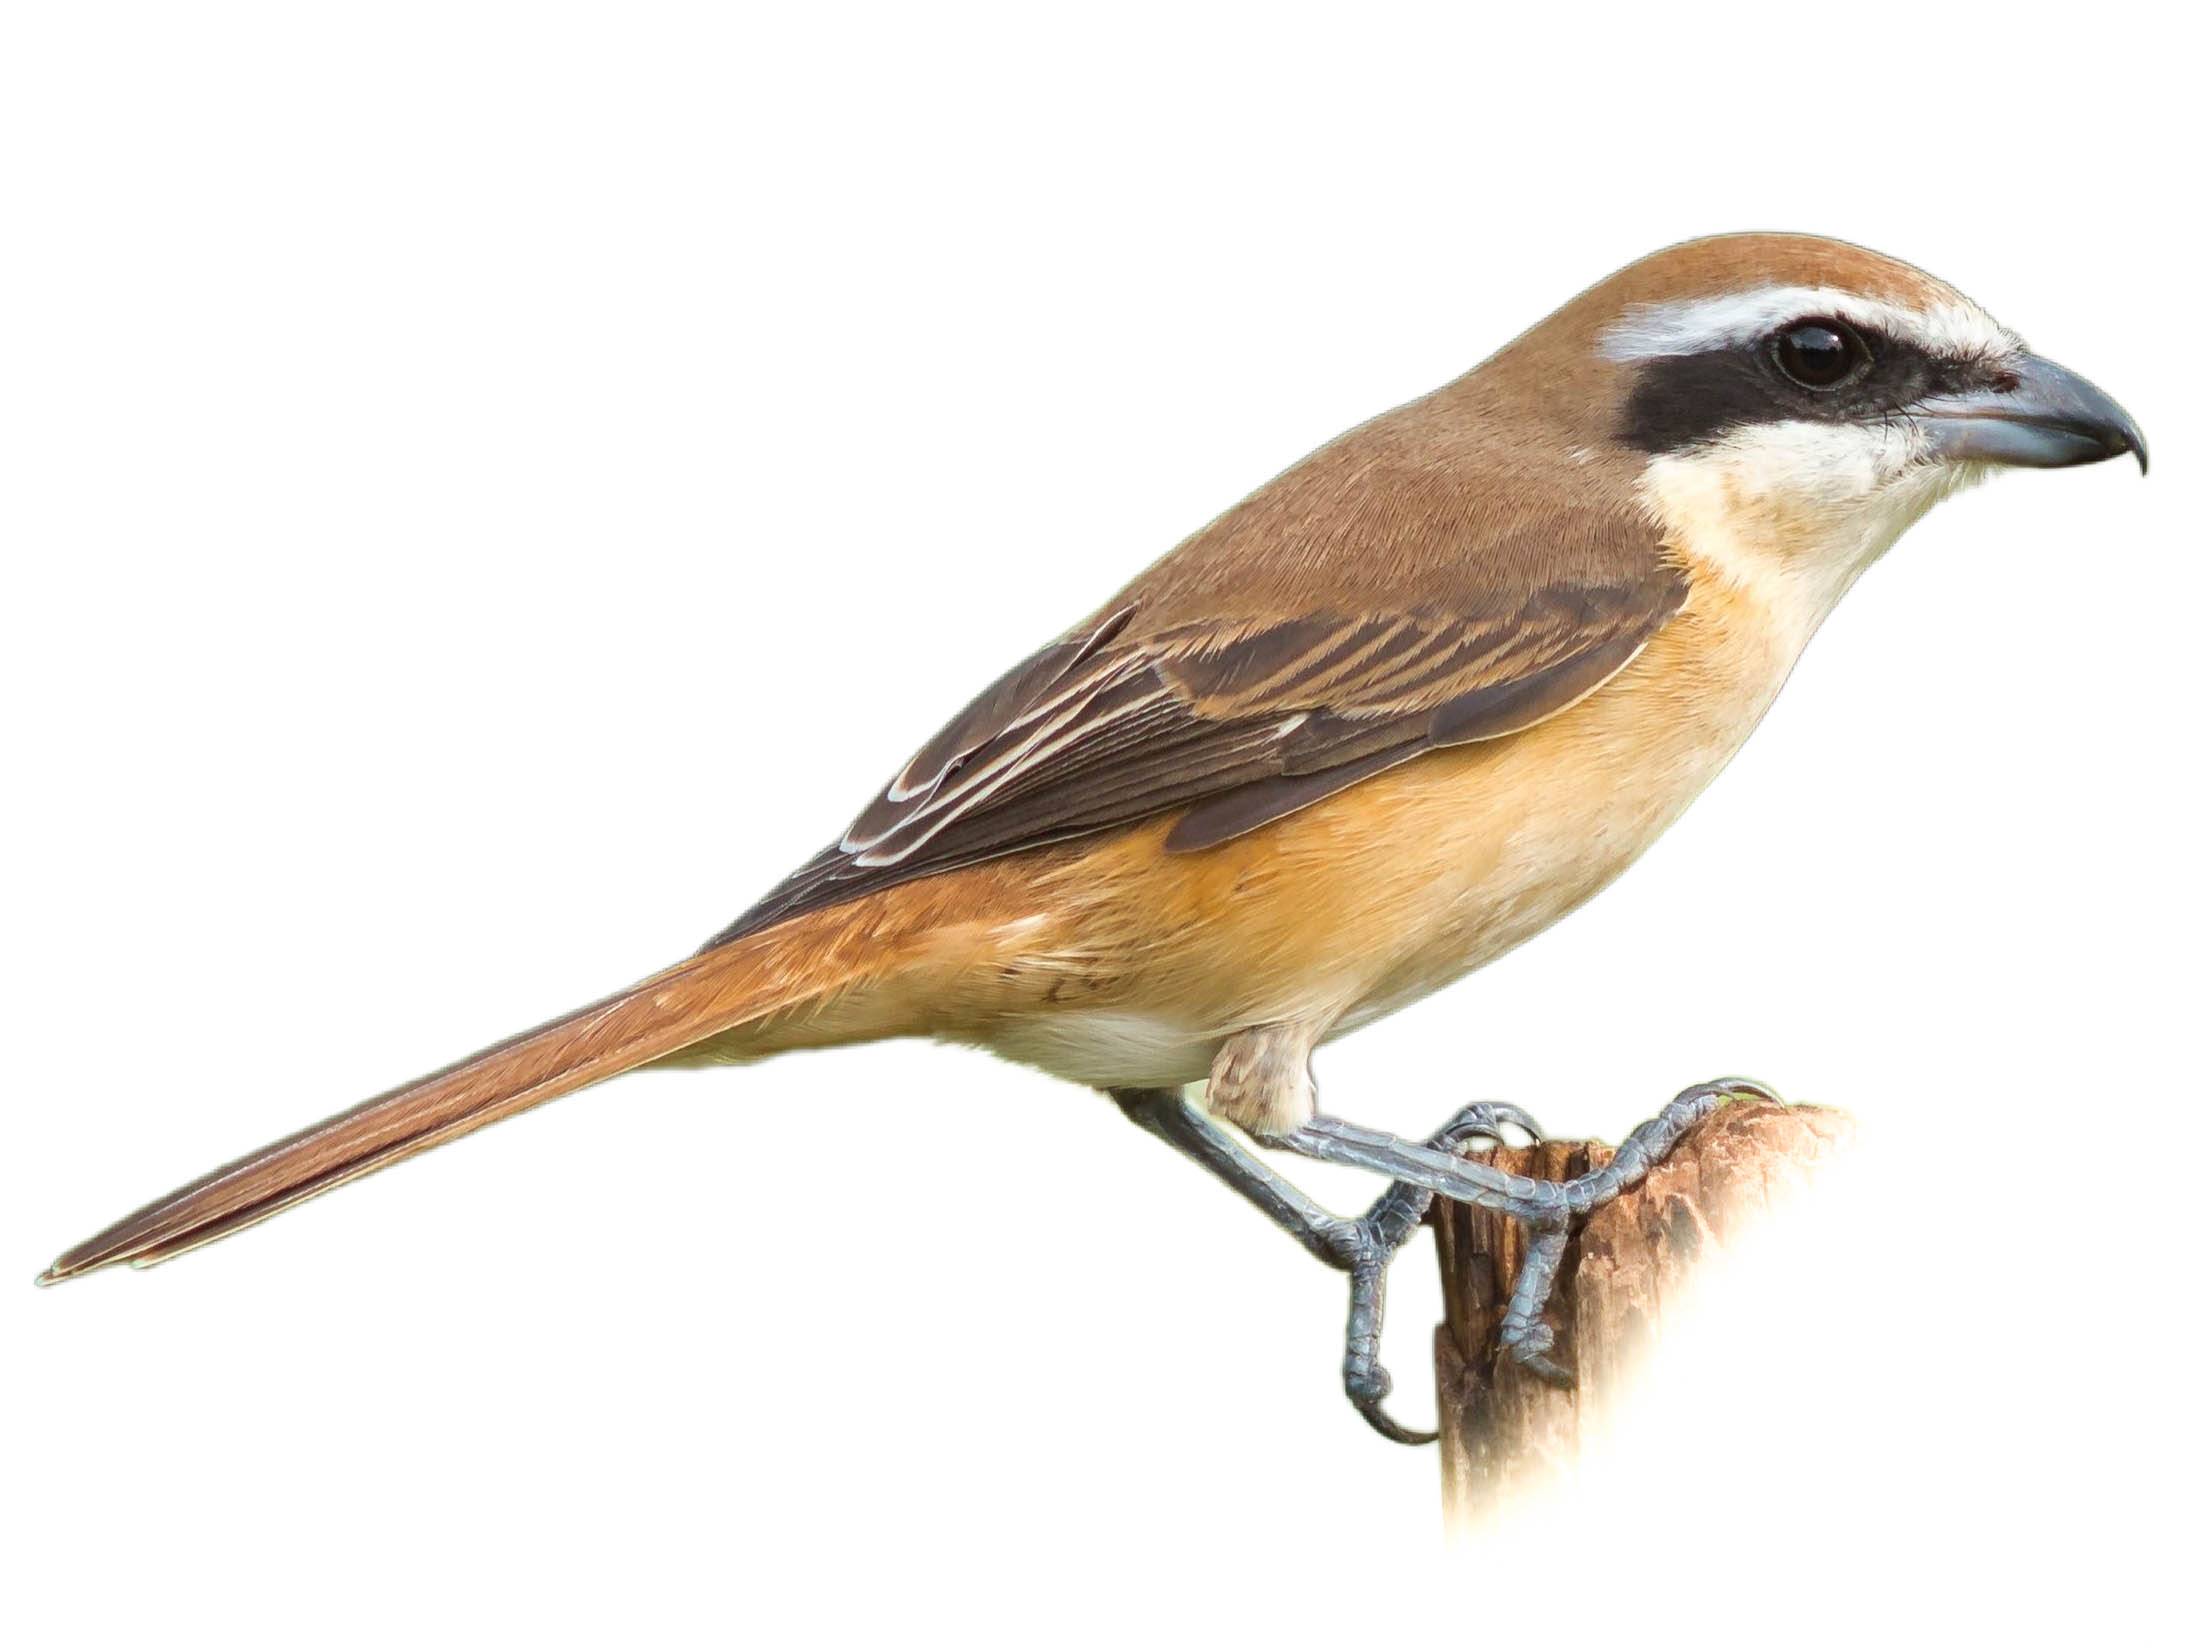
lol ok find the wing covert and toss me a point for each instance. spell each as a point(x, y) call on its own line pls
point(1237, 723)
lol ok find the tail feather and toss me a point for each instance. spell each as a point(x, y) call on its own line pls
point(689, 1003)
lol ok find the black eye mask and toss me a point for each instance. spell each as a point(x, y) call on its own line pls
point(1679, 401)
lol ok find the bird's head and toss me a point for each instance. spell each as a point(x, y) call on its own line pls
point(1801, 401)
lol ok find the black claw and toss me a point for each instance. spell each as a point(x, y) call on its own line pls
point(1377, 1417)
point(1546, 1368)
point(1367, 1384)
point(1530, 1346)
point(1735, 1087)
point(1486, 1121)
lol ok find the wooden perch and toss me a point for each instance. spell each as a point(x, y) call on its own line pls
point(1506, 1433)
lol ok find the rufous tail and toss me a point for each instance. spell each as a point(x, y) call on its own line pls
point(709, 996)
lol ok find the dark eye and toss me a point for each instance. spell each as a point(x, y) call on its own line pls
point(1820, 354)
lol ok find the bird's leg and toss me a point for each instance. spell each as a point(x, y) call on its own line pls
point(1547, 1207)
point(1165, 1112)
point(1384, 1228)
point(1363, 1246)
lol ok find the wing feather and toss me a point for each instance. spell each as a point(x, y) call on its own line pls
point(1237, 724)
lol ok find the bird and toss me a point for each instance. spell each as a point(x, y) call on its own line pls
point(1388, 717)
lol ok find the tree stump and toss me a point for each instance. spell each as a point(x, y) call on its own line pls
point(1507, 1433)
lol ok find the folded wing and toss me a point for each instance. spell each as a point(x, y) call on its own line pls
point(1234, 723)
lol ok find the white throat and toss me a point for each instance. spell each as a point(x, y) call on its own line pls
point(1793, 513)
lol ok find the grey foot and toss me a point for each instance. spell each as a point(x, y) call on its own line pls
point(1549, 1209)
point(1367, 1245)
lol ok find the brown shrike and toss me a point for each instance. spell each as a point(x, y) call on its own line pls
point(1398, 710)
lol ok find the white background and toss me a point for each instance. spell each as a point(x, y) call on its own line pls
point(488, 489)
